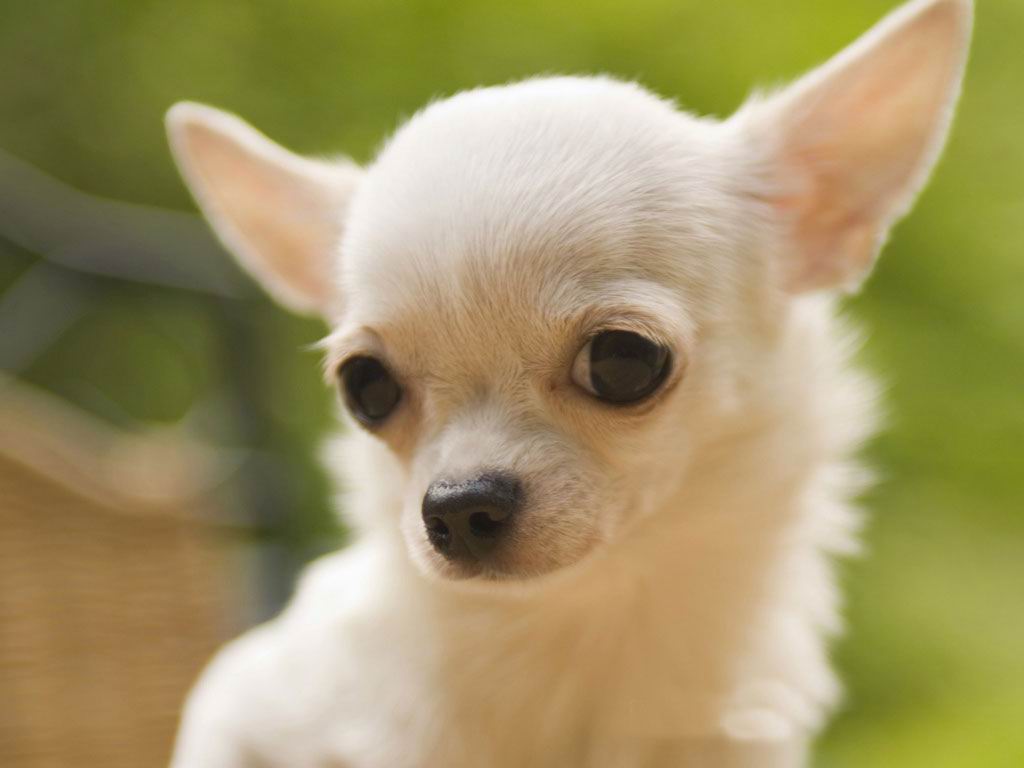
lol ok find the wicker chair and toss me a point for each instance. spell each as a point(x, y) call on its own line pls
point(112, 587)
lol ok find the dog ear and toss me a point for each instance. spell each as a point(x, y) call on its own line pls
point(280, 214)
point(847, 147)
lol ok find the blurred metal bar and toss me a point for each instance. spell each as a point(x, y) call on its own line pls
point(112, 239)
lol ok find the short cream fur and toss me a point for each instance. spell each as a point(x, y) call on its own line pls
point(669, 595)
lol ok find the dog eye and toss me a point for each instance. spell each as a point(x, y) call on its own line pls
point(621, 366)
point(370, 391)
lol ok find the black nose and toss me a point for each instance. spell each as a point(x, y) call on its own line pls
point(465, 520)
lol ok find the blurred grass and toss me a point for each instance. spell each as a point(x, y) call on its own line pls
point(934, 660)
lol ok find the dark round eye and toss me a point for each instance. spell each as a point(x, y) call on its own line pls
point(621, 366)
point(370, 391)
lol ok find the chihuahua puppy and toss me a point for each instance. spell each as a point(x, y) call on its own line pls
point(602, 413)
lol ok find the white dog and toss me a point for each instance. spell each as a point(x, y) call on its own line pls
point(603, 414)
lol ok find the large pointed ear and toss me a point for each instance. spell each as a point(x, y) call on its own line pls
point(845, 149)
point(280, 214)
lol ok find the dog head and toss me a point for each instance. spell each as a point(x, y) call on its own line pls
point(546, 298)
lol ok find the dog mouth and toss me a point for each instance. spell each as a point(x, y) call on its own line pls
point(511, 562)
point(487, 567)
point(484, 573)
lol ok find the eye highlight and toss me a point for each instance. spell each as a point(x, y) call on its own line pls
point(621, 367)
point(370, 391)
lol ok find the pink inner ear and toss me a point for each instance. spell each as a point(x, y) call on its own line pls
point(835, 257)
point(837, 219)
point(855, 139)
point(274, 212)
point(280, 214)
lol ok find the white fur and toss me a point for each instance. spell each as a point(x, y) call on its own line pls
point(669, 595)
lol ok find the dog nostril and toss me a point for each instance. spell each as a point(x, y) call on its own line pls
point(438, 532)
point(481, 524)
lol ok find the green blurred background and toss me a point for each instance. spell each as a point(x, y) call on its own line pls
point(133, 314)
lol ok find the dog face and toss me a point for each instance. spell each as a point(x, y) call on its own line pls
point(536, 310)
point(548, 299)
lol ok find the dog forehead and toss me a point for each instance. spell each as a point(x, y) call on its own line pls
point(540, 178)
